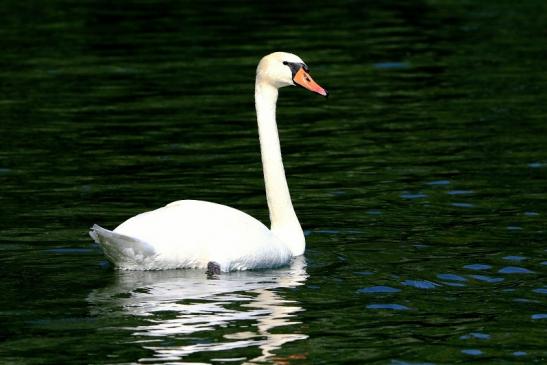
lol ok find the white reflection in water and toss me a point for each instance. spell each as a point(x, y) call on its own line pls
point(196, 304)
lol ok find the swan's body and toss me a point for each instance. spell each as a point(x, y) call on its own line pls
point(193, 234)
point(217, 233)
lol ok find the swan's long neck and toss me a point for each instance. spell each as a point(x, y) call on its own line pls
point(284, 223)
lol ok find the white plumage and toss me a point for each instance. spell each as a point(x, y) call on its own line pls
point(192, 234)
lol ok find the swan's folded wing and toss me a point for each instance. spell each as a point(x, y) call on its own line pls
point(124, 251)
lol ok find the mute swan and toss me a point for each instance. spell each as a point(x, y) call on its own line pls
point(199, 234)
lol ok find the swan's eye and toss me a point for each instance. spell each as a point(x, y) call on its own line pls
point(285, 63)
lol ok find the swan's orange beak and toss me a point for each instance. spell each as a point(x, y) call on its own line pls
point(304, 79)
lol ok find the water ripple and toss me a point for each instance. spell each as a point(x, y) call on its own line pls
point(413, 196)
point(460, 192)
point(438, 182)
point(487, 279)
point(420, 284)
point(391, 65)
point(477, 267)
point(514, 258)
point(463, 205)
point(473, 352)
point(514, 270)
point(451, 277)
point(379, 289)
point(477, 335)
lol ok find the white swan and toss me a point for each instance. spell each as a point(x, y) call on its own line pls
point(199, 234)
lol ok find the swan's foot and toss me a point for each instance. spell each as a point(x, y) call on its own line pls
point(213, 268)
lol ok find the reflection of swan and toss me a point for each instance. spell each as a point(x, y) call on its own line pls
point(238, 310)
point(197, 234)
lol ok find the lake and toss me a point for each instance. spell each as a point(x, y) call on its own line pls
point(420, 182)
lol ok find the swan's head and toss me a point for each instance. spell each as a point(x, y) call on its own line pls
point(281, 69)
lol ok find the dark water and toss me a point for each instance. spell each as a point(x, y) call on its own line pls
point(421, 181)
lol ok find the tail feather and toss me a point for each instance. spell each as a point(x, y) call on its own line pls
point(123, 251)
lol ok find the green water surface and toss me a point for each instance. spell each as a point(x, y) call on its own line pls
point(421, 182)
